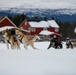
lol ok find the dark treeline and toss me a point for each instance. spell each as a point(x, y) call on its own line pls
point(66, 28)
point(18, 19)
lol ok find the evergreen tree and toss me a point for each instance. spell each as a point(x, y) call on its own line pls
point(18, 19)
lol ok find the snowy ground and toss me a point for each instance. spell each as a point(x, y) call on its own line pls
point(37, 62)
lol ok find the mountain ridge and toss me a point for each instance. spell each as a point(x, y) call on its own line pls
point(60, 14)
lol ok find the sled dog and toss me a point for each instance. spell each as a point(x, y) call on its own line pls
point(69, 44)
point(10, 39)
point(25, 39)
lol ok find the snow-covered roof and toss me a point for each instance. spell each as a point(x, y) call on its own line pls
point(46, 32)
point(40, 24)
point(52, 23)
point(44, 24)
point(33, 24)
point(5, 27)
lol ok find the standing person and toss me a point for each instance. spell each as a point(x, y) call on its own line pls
point(53, 42)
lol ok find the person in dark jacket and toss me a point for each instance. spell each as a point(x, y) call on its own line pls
point(55, 43)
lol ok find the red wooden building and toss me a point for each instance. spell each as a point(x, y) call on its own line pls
point(36, 28)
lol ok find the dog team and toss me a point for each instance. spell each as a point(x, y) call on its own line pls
point(14, 41)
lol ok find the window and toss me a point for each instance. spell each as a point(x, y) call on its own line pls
point(45, 28)
point(32, 29)
point(56, 29)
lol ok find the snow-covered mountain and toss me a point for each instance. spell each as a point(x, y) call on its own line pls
point(43, 8)
point(20, 6)
point(60, 14)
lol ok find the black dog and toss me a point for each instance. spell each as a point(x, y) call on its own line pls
point(69, 43)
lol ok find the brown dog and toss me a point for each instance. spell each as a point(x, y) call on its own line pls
point(25, 39)
point(10, 39)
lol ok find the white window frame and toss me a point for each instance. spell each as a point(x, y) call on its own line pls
point(56, 29)
point(32, 29)
point(44, 28)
